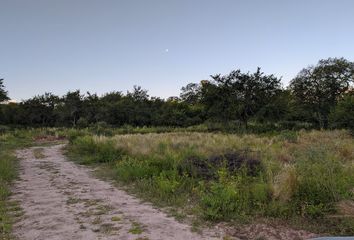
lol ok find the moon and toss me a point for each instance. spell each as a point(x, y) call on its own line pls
point(166, 50)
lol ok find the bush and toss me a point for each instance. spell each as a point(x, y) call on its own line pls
point(322, 181)
point(73, 134)
point(289, 136)
point(82, 123)
point(167, 183)
point(207, 168)
point(96, 151)
point(343, 114)
point(4, 129)
point(102, 128)
point(224, 201)
point(130, 169)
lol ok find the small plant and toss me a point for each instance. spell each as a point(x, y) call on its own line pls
point(116, 219)
point(97, 151)
point(136, 228)
point(289, 136)
point(224, 202)
point(38, 153)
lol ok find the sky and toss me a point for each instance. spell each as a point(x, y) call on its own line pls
point(111, 45)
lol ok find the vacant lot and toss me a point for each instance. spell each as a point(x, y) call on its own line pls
point(303, 179)
point(290, 185)
point(63, 201)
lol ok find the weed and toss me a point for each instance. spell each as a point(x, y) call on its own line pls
point(38, 153)
point(136, 228)
point(116, 219)
point(231, 177)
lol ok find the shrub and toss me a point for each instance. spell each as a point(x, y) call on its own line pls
point(167, 183)
point(207, 168)
point(224, 201)
point(322, 181)
point(73, 134)
point(82, 123)
point(343, 114)
point(102, 128)
point(96, 151)
point(289, 136)
point(131, 169)
point(4, 129)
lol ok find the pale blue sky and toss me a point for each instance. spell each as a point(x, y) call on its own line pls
point(105, 45)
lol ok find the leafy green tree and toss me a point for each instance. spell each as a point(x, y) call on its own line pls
point(91, 109)
point(12, 113)
point(277, 109)
point(3, 93)
point(342, 116)
point(239, 96)
point(71, 108)
point(317, 88)
point(39, 110)
point(191, 93)
point(138, 94)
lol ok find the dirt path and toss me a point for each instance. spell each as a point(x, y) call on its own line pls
point(62, 201)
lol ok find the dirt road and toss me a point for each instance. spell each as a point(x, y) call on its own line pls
point(62, 201)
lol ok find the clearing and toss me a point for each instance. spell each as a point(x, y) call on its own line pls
point(62, 200)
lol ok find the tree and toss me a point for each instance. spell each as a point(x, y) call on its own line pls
point(70, 109)
point(318, 88)
point(91, 109)
point(191, 93)
point(342, 116)
point(3, 93)
point(277, 109)
point(239, 96)
point(138, 94)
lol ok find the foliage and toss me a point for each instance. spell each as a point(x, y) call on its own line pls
point(299, 174)
point(3, 93)
point(239, 96)
point(342, 116)
point(98, 151)
point(316, 89)
point(236, 102)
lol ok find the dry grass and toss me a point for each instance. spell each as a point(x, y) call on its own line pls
point(306, 174)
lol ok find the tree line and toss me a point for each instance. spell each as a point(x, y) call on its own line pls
point(321, 96)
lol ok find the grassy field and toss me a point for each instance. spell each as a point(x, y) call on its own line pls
point(304, 178)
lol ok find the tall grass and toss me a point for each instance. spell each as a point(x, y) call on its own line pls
point(301, 174)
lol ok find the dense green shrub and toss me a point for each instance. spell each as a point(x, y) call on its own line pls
point(222, 202)
point(322, 181)
point(342, 115)
point(97, 151)
point(131, 169)
point(82, 123)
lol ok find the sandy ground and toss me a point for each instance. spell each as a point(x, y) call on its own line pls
point(62, 200)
